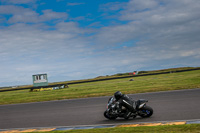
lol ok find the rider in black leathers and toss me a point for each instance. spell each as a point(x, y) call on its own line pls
point(125, 101)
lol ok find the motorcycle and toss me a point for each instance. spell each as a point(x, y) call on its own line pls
point(113, 111)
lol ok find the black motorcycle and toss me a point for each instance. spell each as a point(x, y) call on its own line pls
point(113, 111)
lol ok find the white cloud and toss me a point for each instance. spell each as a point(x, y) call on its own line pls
point(112, 6)
point(19, 1)
point(138, 5)
point(168, 24)
point(11, 9)
point(160, 33)
point(51, 15)
point(26, 15)
point(75, 4)
point(27, 49)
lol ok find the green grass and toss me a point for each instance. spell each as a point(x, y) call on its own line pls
point(190, 128)
point(162, 82)
point(119, 75)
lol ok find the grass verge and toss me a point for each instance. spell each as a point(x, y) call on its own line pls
point(189, 128)
point(151, 83)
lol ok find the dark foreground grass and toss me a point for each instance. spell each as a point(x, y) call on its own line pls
point(153, 83)
point(190, 128)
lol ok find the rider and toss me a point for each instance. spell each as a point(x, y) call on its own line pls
point(125, 101)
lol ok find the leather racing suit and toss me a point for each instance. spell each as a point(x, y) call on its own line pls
point(128, 103)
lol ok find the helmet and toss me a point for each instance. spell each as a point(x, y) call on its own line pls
point(118, 95)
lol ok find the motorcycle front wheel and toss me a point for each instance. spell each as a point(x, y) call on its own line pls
point(146, 111)
point(109, 117)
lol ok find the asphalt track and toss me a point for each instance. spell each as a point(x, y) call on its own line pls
point(168, 106)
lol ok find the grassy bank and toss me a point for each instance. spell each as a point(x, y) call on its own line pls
point(107, 77)
point(190, 128)
point(152, 83)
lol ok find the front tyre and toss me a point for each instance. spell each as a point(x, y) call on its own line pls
point(108, 116)
point(146, 111)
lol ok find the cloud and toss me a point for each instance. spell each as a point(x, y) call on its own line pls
point(159, 33)
point(112, 6)
point(75, 4)
point(138, 5)
point(51, 15)
point(171, 20)
point(147, 35)
point(26, 15)
point(11, 9)
point(26, 50)
point(19, 1)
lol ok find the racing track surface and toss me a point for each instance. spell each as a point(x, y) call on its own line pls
point(168, 106)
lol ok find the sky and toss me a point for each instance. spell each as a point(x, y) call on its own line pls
point(82, 39)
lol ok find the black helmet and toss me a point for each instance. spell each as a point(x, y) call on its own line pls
point(118, 95)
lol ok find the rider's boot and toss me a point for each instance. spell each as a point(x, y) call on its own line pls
point(127, 114)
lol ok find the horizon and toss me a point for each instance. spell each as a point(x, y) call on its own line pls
point(76, 39)
point(94, 77)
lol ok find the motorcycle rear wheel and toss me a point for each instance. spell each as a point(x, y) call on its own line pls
point(146, 111)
